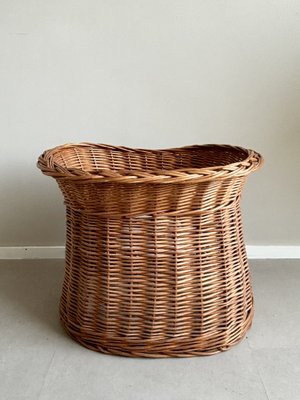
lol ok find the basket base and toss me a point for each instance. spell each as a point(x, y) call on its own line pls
point(188, 347)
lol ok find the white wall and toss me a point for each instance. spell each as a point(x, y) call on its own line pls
point(156, 73)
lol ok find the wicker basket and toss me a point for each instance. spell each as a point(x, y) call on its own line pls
point(155, 258)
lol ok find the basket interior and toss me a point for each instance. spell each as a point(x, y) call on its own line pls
point(94, 158)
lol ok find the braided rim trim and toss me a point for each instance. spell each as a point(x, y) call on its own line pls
point(49, 167)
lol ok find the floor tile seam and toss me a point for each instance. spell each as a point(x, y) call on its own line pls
point(45, 375)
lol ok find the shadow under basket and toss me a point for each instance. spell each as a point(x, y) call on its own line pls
point(155, 257)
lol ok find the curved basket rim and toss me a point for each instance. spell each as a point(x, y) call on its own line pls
point(48, 166)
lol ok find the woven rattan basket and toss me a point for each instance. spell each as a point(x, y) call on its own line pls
point(155, 258)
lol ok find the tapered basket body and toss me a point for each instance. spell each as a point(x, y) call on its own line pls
point(155, 257)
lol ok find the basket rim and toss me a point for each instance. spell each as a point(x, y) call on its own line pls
point(251, 163)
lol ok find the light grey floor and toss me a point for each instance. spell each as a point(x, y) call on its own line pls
point(39, 362)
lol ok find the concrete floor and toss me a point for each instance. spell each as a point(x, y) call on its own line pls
point(39, 361)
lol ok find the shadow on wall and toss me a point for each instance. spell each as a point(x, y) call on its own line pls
point(32, 212)
point(270, 201)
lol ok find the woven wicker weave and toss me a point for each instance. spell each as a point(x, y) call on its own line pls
point(155, 258)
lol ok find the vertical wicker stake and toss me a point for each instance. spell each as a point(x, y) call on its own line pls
point(155, 258)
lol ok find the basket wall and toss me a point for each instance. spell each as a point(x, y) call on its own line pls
point(158, 285)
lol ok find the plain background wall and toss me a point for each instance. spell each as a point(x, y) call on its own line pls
point(157, 73)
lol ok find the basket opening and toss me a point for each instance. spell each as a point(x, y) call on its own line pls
point(94, 158)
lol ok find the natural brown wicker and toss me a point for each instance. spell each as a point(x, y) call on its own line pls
point(155, 258)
